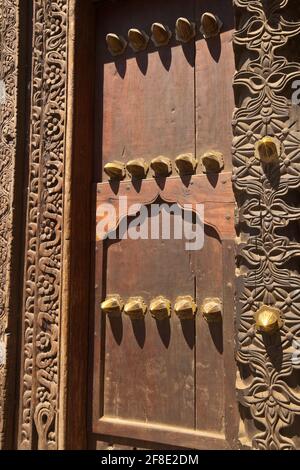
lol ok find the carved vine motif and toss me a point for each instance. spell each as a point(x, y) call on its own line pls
point(8, 132)
point(268, 198)
point(44, 226)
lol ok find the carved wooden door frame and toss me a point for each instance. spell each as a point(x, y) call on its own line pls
point(53, 328)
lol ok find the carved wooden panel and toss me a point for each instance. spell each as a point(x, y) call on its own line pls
point(267, 62)
point(43, 255)
point(11, 199)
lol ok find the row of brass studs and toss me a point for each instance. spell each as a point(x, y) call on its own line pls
point(160, 307)
point(268, 150)
point(267, 319)
point(185, 30)
point(185, 164)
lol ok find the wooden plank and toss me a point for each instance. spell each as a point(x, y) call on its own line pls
point(148, 97)
point(209, 338)
point(232, 416)
point(149, 365)
point(215, 69)
point(216, 195)
point(168, 435)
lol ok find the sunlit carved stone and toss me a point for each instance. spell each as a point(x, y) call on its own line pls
point(162, 166)
point(185, 307)
point(212, 309)
point(185, 30)
point(268, 319)
point(160, 34)
point(116, 44)
point(210, 25)
point(212, 162)
point(160, 308)
point(268, 149)
point(112, 305)
point(138, 40)
point(138, 168)
point(115, 170)
point(186, 164)
point(135, 308)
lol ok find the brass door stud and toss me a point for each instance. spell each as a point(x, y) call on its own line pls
point(186, 164)
point(115, 170)
point(185, 30)
point(116, 44)
point(185, 307)
point(138, 168)
point(138, 40)
point(268, 149)
point(210, 25)
point(268, 319)
point(162, 166)
point(135, 308)
point(212, 162)
point(112, 305)
point(160, 308)
point(160, 34)
point(211, 309)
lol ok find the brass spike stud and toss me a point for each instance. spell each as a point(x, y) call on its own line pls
point(138, 40)
point(211, 309)
point(135, 308)
point(162, 166)
point(185, 307)
point(116, 44)
point(115, 170)
point(186, 164)
point(160, 34)
point(160, 308)
point(212, 162)
point(210, 25)
point(268, 319)
point(268, 149)
point(138, 168)
point(185, 30)
point(112, 305)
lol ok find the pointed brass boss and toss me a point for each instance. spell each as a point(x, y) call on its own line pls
point(160, 308)
point(268, 319)
point(115, 170)
point(162, 166)
point(212, 309)
point(160, 34)
point(116, 44)
point(135, 308)
point(210, 25)
point(185, 307)
point(138, 40)
point(186, 164)
point(138, 168)
point(112, 305)
point(185, 30)
point(212, 162)
point(268, 149)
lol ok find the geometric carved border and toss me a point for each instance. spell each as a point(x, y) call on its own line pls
point(267, 58)
point(43, 256)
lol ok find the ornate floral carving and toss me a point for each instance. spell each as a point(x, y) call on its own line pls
point(9, 37)
point(268, 198)
point(44, 226)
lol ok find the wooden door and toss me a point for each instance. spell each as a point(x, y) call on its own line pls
point(165, 383)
